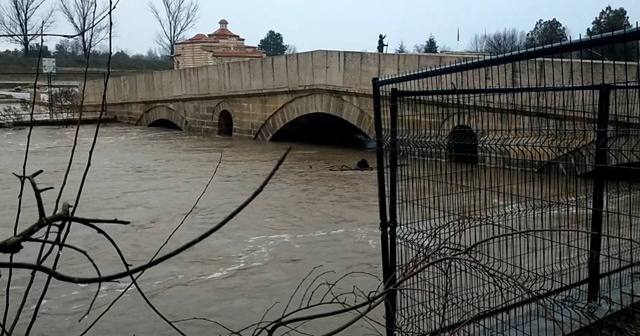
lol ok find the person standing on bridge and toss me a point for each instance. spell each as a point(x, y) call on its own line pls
point(381, 44)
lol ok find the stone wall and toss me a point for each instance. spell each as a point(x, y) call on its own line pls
point(349, 71)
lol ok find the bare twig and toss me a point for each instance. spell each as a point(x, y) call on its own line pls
point(21, 193)
point(84, 253)
point(14, 244)
point(62, 237)
point(209, 321)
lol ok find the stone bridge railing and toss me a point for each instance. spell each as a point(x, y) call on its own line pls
point(349, 71)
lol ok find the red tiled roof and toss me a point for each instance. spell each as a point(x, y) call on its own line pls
point(223, 32)
point(198, 37)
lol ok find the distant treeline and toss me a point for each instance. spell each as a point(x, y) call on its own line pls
point(68, 54)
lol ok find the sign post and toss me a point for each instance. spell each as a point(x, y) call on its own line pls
point(49, 67)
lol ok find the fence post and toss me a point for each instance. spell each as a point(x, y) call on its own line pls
point(382, 204)
point(393, 199)
point(597, 210)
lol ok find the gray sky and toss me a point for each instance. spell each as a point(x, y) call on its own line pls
point(355, 24)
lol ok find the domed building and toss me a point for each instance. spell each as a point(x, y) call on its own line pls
point(218, 47)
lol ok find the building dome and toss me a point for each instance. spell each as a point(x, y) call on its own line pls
point(223, 24)
point(198, 37)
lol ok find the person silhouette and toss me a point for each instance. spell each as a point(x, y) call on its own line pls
point(381, 44)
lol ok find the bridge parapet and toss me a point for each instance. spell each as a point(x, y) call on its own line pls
point(322, 68)
point(343, 70)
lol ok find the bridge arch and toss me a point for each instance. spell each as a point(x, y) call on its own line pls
point(316, 104)
point(223, 117)
point(461, 118)
point(463, 144)
point(623, 159)
point(159, 115)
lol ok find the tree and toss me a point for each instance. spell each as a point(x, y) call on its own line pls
point(431, 47)
point(402, 49)
point(273, 44)
point(23, 20)
point(152, 54)
point(68, 47)
point(478, 43)
point(178, 17)
point(546, 32)
point(83, 15)
point(608, 21)
point(505, 41)
point(34, 51)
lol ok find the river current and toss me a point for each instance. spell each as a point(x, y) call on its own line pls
point(309, 215)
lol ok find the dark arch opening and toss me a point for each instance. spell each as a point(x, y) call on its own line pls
point(225, 123)
point(165, 123)
point(463, 145)
point(324, 129)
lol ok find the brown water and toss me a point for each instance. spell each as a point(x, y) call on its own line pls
point(307, 216)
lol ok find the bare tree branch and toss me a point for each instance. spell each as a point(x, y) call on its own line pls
point(22, 185)
point(97, 22)
point(83, 16)
point(62, 233)
point(505, 41)
point(478, 44)
point(20, 20)
point(175, 19)
point(86, 255)
point(14, 244)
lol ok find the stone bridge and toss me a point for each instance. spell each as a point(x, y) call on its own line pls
point(258, 98)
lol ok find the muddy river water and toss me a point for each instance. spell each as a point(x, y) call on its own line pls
point(308, 216)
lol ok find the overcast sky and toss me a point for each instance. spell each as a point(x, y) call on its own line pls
point(355, 24)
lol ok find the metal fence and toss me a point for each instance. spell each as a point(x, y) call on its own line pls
point(509, 193)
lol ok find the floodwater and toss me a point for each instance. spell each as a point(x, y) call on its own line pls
point(309, 215)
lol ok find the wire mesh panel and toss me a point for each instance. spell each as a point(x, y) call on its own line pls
point(510, 191)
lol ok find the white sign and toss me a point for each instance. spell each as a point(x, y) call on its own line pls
point(49, 65)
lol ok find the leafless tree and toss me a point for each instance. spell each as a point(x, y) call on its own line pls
point(478, 43)
point(175, 18)
point(21, 20)
point(82, 15)
point(445, 48)
point(505, 41)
